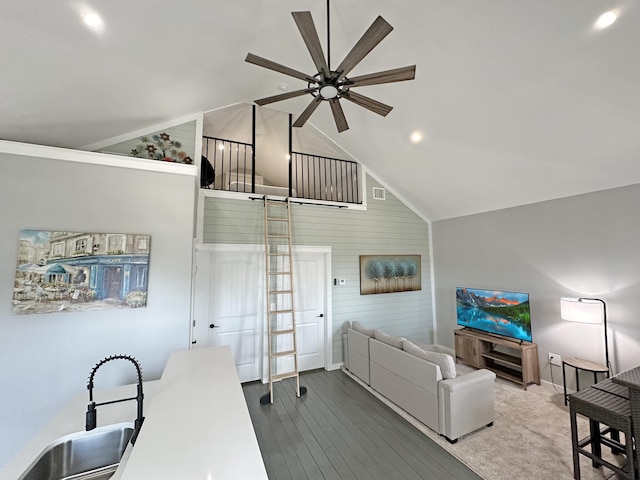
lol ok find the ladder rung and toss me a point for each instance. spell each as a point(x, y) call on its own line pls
point(275, 312)
point(280, 292)
point(278, 273)
point(279, 254)
point(282, 376)
point(283, 354)
point(283, 332)
point(278, 219)
point(277, 236)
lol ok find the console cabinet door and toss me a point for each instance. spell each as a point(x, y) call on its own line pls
point(468, 350)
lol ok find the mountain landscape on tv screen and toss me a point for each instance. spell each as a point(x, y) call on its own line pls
point(503, 313)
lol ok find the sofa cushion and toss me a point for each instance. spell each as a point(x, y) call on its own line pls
point(358, 327)
point(444, 361)
point(436, 348)
point(388, 339)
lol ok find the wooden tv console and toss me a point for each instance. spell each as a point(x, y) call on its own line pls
point(507, 358)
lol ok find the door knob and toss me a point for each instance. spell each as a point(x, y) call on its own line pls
point(213, 325)
point(321, 315)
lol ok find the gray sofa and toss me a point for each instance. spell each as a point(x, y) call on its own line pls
point(421, 379)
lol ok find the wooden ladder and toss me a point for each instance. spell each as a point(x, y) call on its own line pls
point(282, 340)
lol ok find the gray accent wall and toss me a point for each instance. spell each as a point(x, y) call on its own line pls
point(387, 227)
point(45, 359)
point(582, 246)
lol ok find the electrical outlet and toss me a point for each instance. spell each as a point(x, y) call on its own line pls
point(555, 359)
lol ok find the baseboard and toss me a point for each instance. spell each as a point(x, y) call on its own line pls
point(335, 366)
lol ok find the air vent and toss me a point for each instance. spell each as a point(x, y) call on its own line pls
point(378, 193)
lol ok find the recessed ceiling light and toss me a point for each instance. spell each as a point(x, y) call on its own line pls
point(92, 19)
point(416, 137)
point(605, 20)
point(283, 87)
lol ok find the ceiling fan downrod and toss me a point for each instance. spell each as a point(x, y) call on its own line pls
point(328, 40)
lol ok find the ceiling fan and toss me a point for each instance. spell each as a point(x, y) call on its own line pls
point(332, 85)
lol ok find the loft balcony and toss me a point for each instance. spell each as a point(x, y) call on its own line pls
point(232, 168)
point(269, 168)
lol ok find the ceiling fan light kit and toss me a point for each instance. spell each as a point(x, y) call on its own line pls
point(334, 85)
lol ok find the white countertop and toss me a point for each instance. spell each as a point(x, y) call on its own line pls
point(197, 425)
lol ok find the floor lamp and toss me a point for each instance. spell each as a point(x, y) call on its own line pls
point(587, 310)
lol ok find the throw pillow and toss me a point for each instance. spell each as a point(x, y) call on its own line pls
point(444, 361)
point(388, 339)
point(358, 327)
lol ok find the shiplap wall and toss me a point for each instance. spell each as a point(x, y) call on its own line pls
point(387, 227)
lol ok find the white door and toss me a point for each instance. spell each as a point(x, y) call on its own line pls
point(309, 303)
point(228, 303)
point(310, 279)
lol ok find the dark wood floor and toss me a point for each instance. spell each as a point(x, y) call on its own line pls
point(338, 430)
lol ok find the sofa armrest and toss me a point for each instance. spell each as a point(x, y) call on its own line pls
point(468, 380)
point(466, 403)
point(358, 354)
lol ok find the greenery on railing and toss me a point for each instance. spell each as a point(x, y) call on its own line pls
point(161, 147)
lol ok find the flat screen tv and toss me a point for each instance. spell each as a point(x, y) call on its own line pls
point(494, 311)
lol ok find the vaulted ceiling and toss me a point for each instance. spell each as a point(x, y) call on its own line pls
point(518, 102)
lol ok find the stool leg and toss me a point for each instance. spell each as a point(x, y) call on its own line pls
point(596, 446)
point(574, 444)
point(628, 440)
point(564, 384)
point(615, 435)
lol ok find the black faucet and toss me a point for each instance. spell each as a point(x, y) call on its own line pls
point(91, 417)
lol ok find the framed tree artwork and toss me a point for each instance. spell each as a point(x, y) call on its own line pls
point(389, 274)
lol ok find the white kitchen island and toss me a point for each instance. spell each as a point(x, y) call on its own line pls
point(197, 425)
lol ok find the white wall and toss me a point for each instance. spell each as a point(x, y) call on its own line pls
point(587, 245)
point(46, 359)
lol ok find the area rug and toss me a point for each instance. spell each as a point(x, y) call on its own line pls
point(530, 437)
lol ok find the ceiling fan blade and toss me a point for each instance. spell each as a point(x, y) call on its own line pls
point(368, 103)
point(307, 28)
point(338, 115)
point(284, 96)
point(372, 37)
point(388, 76)
point(304, 116)
point(263, 62)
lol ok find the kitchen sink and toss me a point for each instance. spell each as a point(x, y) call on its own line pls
point(88, 455)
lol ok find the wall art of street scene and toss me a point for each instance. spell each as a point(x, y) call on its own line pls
point(73, 271)
point(389, 273)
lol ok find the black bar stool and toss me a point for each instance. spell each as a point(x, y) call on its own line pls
point(612, 410)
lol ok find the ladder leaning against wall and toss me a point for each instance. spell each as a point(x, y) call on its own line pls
point(281, 322)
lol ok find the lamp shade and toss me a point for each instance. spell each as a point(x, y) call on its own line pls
point(581, 310)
